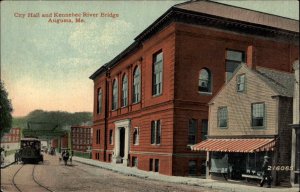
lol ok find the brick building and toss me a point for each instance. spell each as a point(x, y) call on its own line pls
point(248, 119)
point(11, 140)
point(60, 142)
point(150, 101)
point(81, 137)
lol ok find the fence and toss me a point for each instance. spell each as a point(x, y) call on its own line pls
point(87, 155)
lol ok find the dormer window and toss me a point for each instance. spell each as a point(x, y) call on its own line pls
point(240, 83)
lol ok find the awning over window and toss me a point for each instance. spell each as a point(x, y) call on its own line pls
point(235, 145)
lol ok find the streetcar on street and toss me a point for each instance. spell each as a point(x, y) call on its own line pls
point(30, 151)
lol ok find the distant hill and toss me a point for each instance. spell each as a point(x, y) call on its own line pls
point(60, 118)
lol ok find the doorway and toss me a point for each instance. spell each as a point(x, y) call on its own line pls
point(122, 142)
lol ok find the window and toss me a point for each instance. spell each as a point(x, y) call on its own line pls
point(258, 113)
point(192, 131)
point(134, 162)
point(222, 117)
point(204, 129)
point(99, 101)
point(240, 83)
point(98, 156)
point(192, 168)
point(111, 137)
point(204, 81)
point(98, 136)
point(156, 165)
point(233, 60)
point(151, 165)
point(115, 95)
point(136, 136)
point(157, 74)
point(124, 91)
point(155, 132)
point(136, 85)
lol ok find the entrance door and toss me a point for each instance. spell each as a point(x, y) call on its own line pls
point(122, 141)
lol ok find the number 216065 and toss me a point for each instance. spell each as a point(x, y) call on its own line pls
point(280, 168)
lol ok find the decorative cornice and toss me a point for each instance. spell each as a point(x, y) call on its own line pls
point(190, 17)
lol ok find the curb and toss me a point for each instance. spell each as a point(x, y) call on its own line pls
point(221, 186)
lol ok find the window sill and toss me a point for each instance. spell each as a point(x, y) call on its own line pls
point(136, 144)
point(223, 127)
point(136, 103)
point(205, 93)
point(124, 106)
point(157, 95)
point(189, 146)
point(258, 127)
point(155, 145)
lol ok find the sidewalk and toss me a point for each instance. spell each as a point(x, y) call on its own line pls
point(207, 183)
point(8, 159)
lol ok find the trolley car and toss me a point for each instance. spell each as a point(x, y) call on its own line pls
point(30, 150)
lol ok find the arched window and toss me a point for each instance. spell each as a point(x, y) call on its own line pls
point(136, 85)
point(99, 101)
point(124, 91)
point(115, 95)
point(204, 81)
point(157, 74)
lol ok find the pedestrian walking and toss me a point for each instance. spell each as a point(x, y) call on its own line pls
point(65, 156)
point(266, 176)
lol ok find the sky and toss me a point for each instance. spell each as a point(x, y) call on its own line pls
point(46, 65)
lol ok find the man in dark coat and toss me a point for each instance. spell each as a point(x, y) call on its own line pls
point(65, 156)
point(266, 172)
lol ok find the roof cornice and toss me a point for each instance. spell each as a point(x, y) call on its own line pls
point(175, 14)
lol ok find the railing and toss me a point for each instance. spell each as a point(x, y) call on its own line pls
point(87, 155)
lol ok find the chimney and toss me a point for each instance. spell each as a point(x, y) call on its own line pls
point(251, 61)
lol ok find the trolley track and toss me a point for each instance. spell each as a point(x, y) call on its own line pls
point(17, 186)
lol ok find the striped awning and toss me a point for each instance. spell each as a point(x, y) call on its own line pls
point(235, 145)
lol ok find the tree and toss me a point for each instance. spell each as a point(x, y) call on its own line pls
point(59, 118)
point(5, 111)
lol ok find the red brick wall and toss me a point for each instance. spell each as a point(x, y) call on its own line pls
point(186, 50)
point(198, 47)
point(64, 141)
point(54, 143)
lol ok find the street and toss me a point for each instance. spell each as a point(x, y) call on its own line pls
point(53, 175)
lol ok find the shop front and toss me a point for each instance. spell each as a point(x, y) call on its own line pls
point(236, 159)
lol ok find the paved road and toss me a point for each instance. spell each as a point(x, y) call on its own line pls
point(79, 177)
